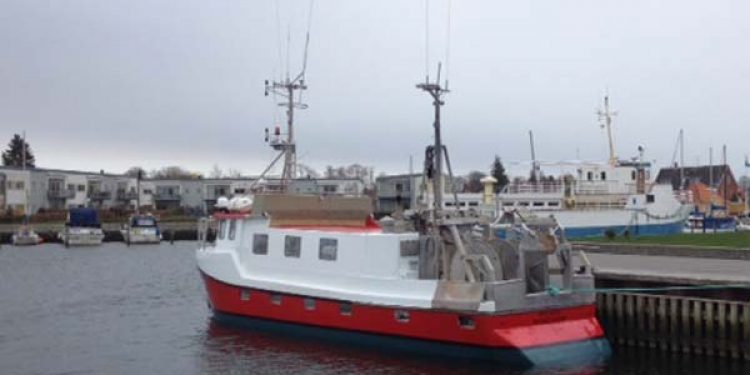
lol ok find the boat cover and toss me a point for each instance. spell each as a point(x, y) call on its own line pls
point(83, 217)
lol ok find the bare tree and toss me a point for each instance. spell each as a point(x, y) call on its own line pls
point(216, 172)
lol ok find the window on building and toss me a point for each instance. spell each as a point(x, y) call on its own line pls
point(20, 185)
point(292, 246)
point(71, 187)
point(538, 204)
point(239, 191)
point(553, 204)
point(399, 187)
point(604, 176)
point(81, 188)
point(232, 229)
point(650, 198)
point(632, 175)
point(260, 244)
point(590, 176)
point(328, 249)
point(148, 191)
point(329, 188)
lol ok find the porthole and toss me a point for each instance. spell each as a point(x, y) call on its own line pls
point(276, 299)
point(466, 322)
point(244, 295)
point(346, 308)
point(309, 304)
point(402, 316)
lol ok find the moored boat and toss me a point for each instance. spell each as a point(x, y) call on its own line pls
point(141, 229)
point(26, 236)
point(436, 281)
point(82, 228)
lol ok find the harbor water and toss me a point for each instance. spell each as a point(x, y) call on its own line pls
point(115, 309)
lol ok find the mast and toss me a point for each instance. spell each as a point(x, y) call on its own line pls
point(287, 147)
point(286, 89)
point(682, 159)
point(534, 164)
point(605, 116)
point(436, 91)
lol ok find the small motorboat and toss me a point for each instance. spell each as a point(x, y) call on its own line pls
point(82, 228)
point(25, 236)
point(141, 229)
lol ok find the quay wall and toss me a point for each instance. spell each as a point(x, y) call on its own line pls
point(664, 250)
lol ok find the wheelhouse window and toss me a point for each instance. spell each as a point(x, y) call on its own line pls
point(232, 229)
point(292, 246)
point(260, 243)
point(328, 249)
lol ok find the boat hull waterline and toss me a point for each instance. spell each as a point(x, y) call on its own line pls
point(527, 339)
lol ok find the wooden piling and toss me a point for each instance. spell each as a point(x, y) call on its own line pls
point(689, 325)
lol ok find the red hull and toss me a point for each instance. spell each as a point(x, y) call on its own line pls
point(516, 331)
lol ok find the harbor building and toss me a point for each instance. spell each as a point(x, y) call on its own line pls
point(712, 187)
point(27, 191)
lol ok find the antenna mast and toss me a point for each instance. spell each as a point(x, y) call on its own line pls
point(286, 88)
point(437, 92)
point(605, 116)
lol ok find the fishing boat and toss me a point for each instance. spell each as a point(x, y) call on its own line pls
point(610, 198)
point(26, 236)
point(436, 281)
point(141, 229)
point(82, 228)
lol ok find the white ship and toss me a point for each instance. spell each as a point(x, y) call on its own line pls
point(613, 198)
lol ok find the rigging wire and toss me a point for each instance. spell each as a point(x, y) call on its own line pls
point(307, 44)
point(278, 40)
point(427, 40)
point(447, 43)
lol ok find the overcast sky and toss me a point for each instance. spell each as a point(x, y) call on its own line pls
point(112, 84)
